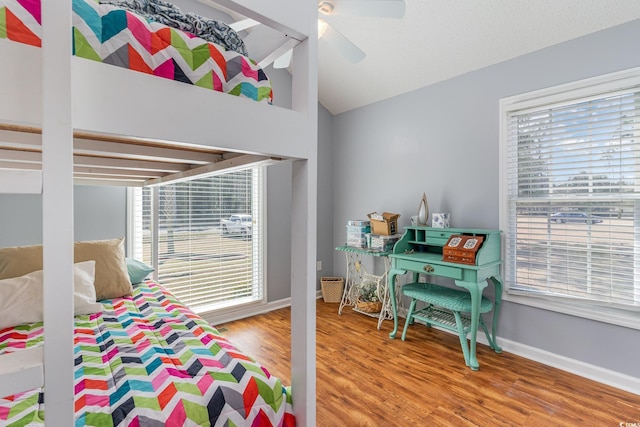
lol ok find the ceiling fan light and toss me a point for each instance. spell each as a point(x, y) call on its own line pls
point(322, 27)
point(325, 7)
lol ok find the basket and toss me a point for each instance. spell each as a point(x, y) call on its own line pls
point(369, 307)
point(331, 288)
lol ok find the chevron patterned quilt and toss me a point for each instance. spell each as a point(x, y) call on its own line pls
point(109, 34)
point(147, 360)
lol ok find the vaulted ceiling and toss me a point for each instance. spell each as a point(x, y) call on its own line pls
point(440, 39)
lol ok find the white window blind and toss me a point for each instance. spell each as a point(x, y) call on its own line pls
point(571, 193)
point(203, 265)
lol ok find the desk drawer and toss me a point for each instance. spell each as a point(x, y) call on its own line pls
point(438, 237)
point(429, 268)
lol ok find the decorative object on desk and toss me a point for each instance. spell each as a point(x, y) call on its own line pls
point(332, 288)
point(368, 300)
point(440, 220)
point(414, 220)
point(423, 210)
point(385, 224)
point(462, 249)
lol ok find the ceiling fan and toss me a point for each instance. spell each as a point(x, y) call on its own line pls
point(372, 8)
point(326, 31)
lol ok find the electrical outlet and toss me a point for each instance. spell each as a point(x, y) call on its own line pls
point(319, 265)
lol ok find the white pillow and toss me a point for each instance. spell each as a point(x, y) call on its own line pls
point(84, 291)
point(21, 297)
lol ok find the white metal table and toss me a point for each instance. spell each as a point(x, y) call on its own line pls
point(356, 273)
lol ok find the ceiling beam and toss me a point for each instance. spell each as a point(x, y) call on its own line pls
point(20, 156)
point(141, 165)
point(283, 49)
point(111, 182)
point(109, 148)
point(13, 158)
point(125, 173)
point(228, 165)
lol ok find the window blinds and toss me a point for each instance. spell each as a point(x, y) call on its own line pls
point(573, 191)
point(204, 267)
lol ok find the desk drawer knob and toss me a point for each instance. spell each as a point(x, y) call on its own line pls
point(428, 268)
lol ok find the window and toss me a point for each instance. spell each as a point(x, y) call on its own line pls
point(570, 197)
point(205, 238)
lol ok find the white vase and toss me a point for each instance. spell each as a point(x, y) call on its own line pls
point(423, 210)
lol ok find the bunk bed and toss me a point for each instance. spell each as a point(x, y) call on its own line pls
point(62, 125)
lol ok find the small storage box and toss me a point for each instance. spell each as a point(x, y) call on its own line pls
point(357, 240)
point(332, 288)
point(385, 224)
point(357, 233)
point(462, 249)
point(359, 223)
point(384, 243)
point(358, 229)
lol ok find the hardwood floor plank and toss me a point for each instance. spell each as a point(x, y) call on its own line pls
point(366, 379)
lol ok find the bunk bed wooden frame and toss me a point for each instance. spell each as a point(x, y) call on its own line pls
point(84, 131)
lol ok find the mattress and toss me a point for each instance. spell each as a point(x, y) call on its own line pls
point(117, 36)
point(147, 360)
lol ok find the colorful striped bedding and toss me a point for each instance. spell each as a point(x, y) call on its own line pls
point(147, 360)
point(116, 36)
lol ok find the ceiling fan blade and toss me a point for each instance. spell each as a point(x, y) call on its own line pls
point(374, 8)
point(342, 44)
point(284, 61)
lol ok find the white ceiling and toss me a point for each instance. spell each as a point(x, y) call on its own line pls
point(440, 39)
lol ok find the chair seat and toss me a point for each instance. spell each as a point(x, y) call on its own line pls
point(452, 299)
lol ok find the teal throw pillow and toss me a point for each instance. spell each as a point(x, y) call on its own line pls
point(138, 270)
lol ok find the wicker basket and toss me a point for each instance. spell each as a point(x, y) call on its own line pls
point(369, 307)
point(332, 288)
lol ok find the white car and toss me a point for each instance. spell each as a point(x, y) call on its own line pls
point(238, 223)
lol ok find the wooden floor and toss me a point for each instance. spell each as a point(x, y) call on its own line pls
point(366, 379)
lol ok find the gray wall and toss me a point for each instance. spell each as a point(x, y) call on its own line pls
point(443, 140)
point(99, 213)
point(325, 192)
point(279, 215)
point(279, 201)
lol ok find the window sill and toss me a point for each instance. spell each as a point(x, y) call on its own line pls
point(614, 316)
point(222, 314)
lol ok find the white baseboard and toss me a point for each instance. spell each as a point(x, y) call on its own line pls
point(582, 369)
point(248, 311)
point(586, 370)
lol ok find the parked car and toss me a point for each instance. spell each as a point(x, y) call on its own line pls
point(237, 223)
point(562, 217)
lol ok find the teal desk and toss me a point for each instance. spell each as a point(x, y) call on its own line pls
point(419, 251)
point(355, 275)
